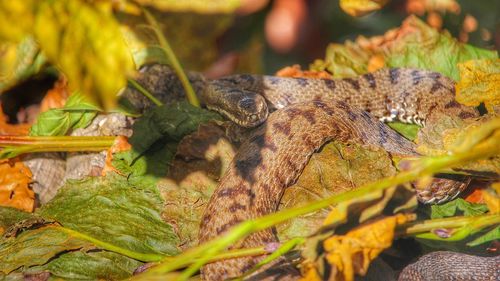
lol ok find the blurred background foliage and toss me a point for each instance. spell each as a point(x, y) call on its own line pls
point(91, 42)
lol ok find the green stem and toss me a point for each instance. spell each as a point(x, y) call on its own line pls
point(465, 227)
point(145, 92)
point(283, 249)
point(157, 257)
point(16, 145)
point(191, 95)
point(111, 247)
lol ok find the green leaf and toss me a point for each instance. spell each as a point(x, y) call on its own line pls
point(491, 235)
point(155, 139)
point(111, 210)
point(100, 265)
point(408, 131)
point(35, 247)
point(430, 49)
point(450, 209)
point(76, 113)
point(172, 122)
point(416, 45)
point(10, 216)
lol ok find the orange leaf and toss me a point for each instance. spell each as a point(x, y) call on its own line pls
point(55, 97)
point(296, 72)
point(352, 253)
point(15, 178)
point(11, 129)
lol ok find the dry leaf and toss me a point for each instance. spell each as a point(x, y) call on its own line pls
point(55, 97)
point(419, 7)
point(352, 253)
point(479, 82)
point(15, 178)
point(296, 72)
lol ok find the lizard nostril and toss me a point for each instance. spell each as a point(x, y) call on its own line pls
point(254, 117)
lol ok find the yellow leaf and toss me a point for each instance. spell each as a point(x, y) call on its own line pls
point(197, 6)
point(16, 19)
point(357, 8)
point(308, 271)
point(479, 82)
point(86, 43)
point(491, 199)
point(352, 253)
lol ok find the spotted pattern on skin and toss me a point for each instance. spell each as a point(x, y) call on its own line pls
point(325, 108)
point(309, 116)
point(353, 83)
point(330, 84)
point(372, 83)
point(260, 140)
point(257, 181)
point(228, 192)
point(302, 81)
point(228, 225)
point(416, 77)
point(436, 86)
point(466, 115)
point(283, 127)
point(274, 80)
point(452, 104)
point(394, 75)
point(237, 206)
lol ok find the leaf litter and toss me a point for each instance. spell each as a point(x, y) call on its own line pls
point(132, 214)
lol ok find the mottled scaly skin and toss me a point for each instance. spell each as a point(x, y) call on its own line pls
point(407, 95)
point(273, 158)
point(460, 267)
point(314, 111)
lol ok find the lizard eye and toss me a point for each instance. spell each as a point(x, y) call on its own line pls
point(247, 104)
